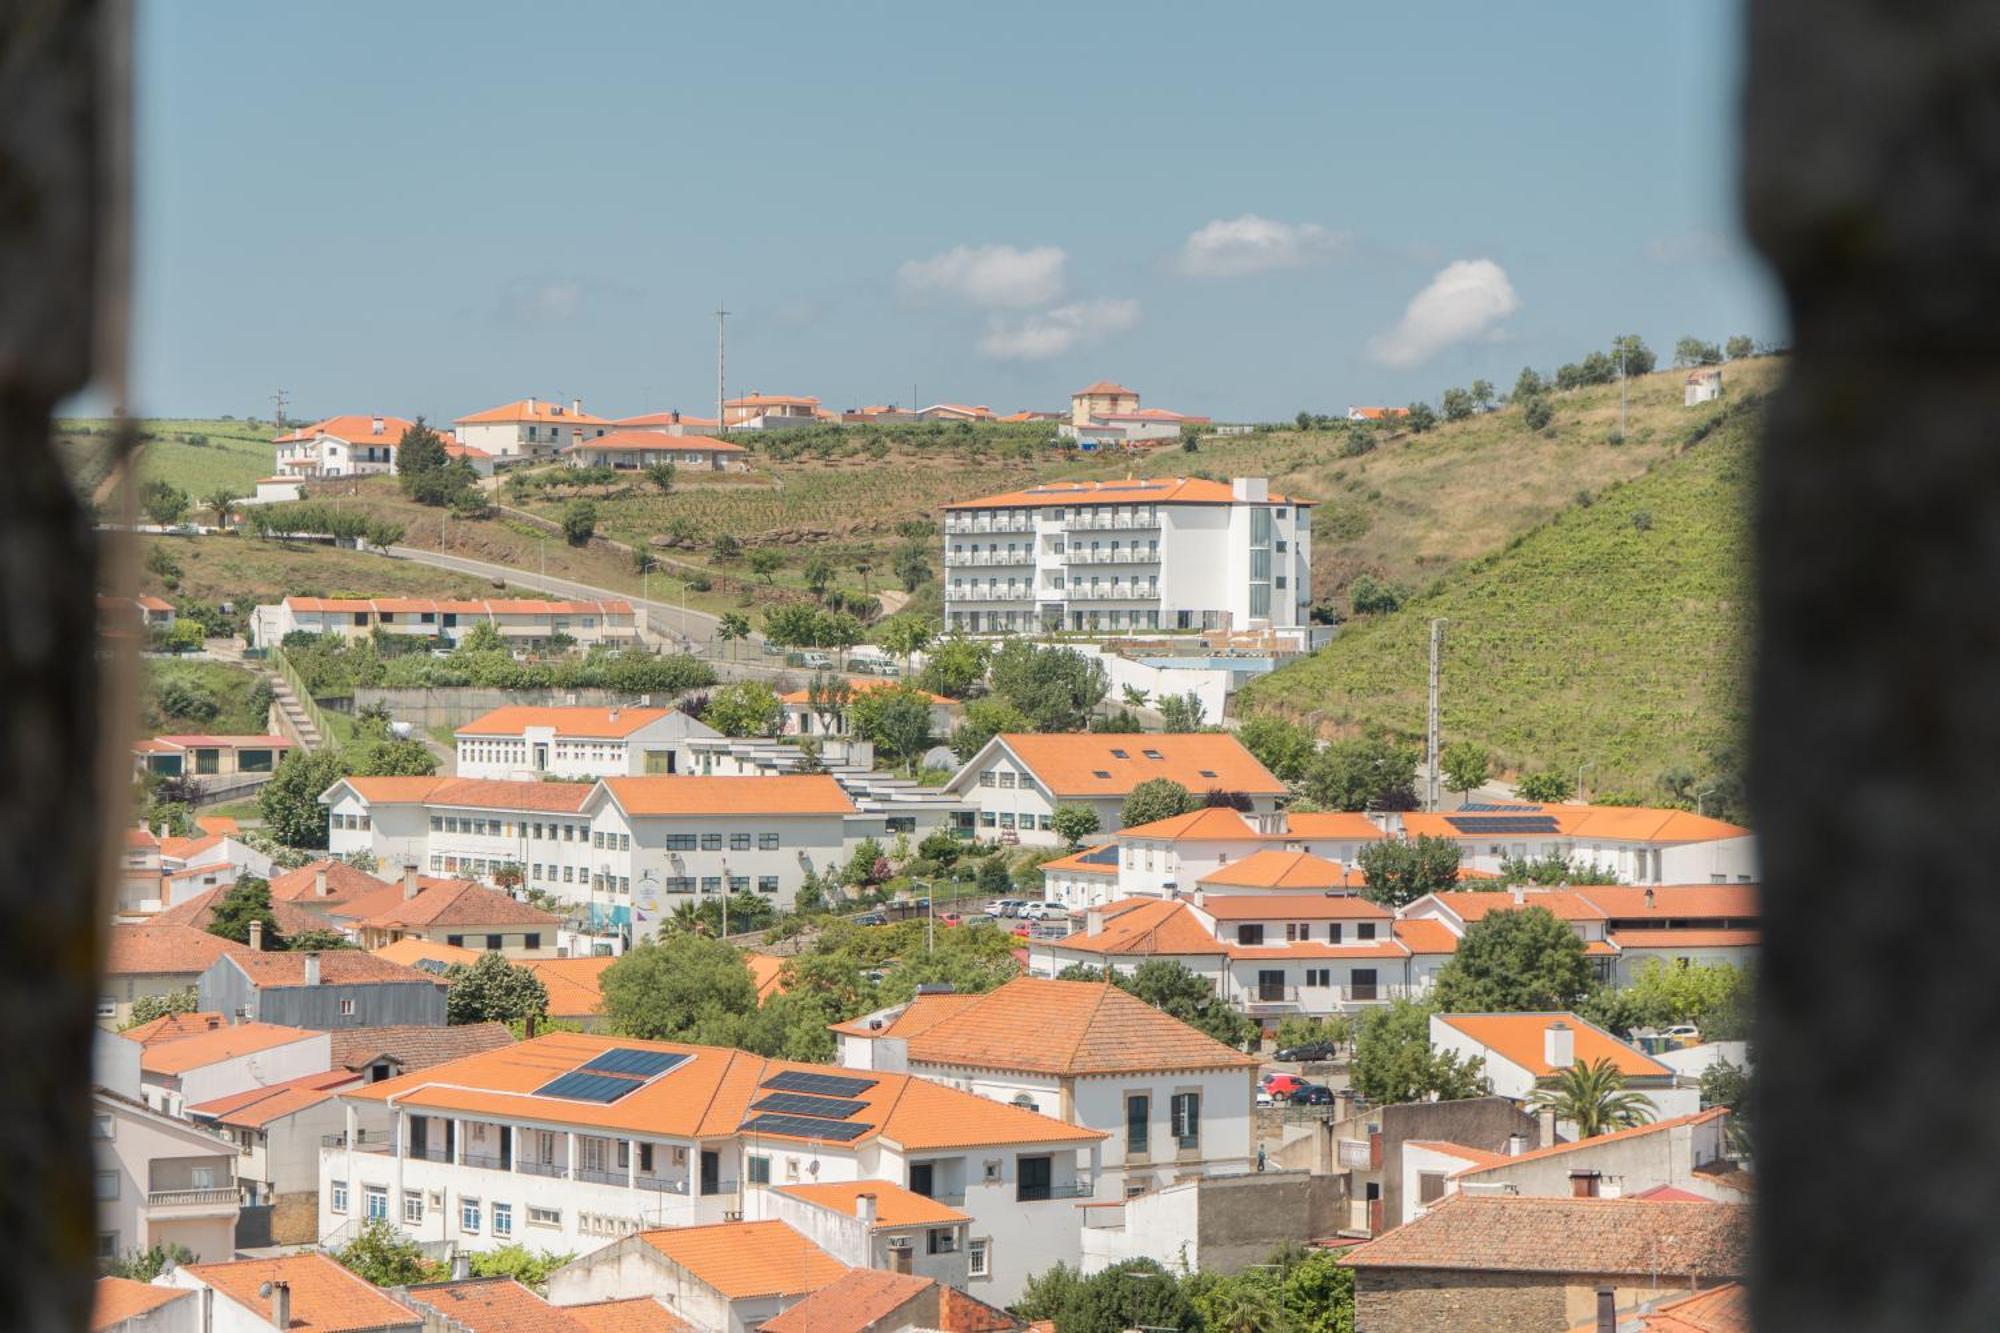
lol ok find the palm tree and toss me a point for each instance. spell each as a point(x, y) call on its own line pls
point(1135, 697)
point(222, 503)
point(689, 919)
point(864, 567)
point(1593, 1097)
point(730, 628)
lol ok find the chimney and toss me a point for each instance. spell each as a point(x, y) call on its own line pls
point(675, 416)
point(614, 718)
point(576, 407)
point(864, 1208)
point(530, 406)
point(1583, 1184)
point(1517, 1143)
point(1545, 1124)
point(1254, 490)
point(281, 1303)
point(1520, 895)
point(375, 424)
point(320, 889)
point(1093, 922)
point(312, 968)
point(461, 1266)
point(214, 1022)
point(257, 935)
point(409, 880)
point(1607, 1310)
point(528, 1028)
point(1649, 900)
point(1559, 1045)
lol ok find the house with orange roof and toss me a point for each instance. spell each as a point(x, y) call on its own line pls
point(730, 1277)
point(1169, 855)
point(636, 450)
point(955, 412)
point(1684, 1152)
point(159, 1180)
point(670, 422)
point(277, 1130)
point(225, 1057)
point(356, 444)
point(204, 756)
point(875, 1224)
point(1175, 1102)
point(1527, 1051)
point(1638, 844)
point(871, 1301)
point(529, 428)
point(1141, 555)
point(121, 1305)
point(307, 1292)
point(802, 720)
point(524, 623)
point(454, 912)
point(427, 955)
point(769, 411)
point(321, 990)
point(502, 1305)
point(149, 960)
point(573, 1139)
point(1376, 413)
point(1101, 398)
point(519, 742)
point(1016, 781)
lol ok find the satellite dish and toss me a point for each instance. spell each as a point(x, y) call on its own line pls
point(812, 1167)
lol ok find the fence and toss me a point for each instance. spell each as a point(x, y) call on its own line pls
point(307, 704)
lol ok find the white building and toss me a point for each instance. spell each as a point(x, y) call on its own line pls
point(1638, 844)
point(522, 623)
point(569, 1140)
point(1524, 1052)
point(1686, 1153)
point(224, 1058)
point(277, 1131)
point(1015, 782)
point(1145, 555)
point(529, 428)
point(523, 743)
point(1704, 385)
point(1175, 1103)
point(801, 720)
point(636, 449)
point(671, 422)
point(355, 445)
point(730, 1277)
point(160, 1181)
point(770, 411)
point(1181, 852)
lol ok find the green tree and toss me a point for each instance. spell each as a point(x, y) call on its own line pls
point(1156, 798)
point(1549, 870)
point(149, 1007)
point(493, 990)
point(483, 637)
point(1517, 960)
point(1638, 358)
point(527, 1267)
point(1365, 773)
point(1056, 687)
point(163, 502)
point(420, 451)
point(957, 664)
point(817, 575)
point(1715, 997)
point(827, 698)
point(662, 476)
point(1074, 823)
point(1457, 404)
point(683, 987)
point(1549, 786)
point(905, 635)
point(579, 521)
point(744, 708)
point(1691, 351)
point(320, 939)
point(1181, 713)
point(1466, 766)
point(983, 720)
point(1172, 989)
point(1421, 418)
point(912, 566)
point(1395, 1062)
point(1483, 395)
point(1592, 1096)
point(245, 901)
point(1529, 384)
point(289, 802)
point(1370, 596)
point(1402, 870)
point(1134, 1293)
point(765, 562)
point(1286, 748)
point(221, 502)
point(897, 720)
point(1730, 1086)
point(147, 1264)
point(383, 1255)
point(1739, 347)
point(1537, 414)
point(732, 627)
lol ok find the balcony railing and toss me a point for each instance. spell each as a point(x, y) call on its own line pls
point(1073, 1189)
point(559, 1170)
point(972, 593)
point(211, 1197)
point(661, 1184)
point(1107, 592)
point(486, 1161)
point(1122, 555)
point(990, 525)
point(989, 557)
point(1113, 523)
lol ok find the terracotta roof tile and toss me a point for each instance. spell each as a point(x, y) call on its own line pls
point(1599, 1140)
point(1565, 1236)
point(1685, 939)
point(894, 1205)
point(1080, 1027)
point(1155, 926)
point(1422, 935)
point(1291, 906)
point(224, 1043)
point(619, 440)
point(539, 410)
point(1084, 763)
point(337, 967)
point(172, 1027)
point(1471, 905)
point(417, 1046)
point(575, 985)
point(637, 1314)
point(1079, 862)
point(326, 1298)
point(164, 949)
point(1213, 823)
point(258, 1107)
point(425, 955)
point(1725, 1309)
point(789, 794)
point(855, 1303)
point(493, 1305)
point(475, 793)
point(919, 1015)
point(1106, 388)
point(1680, 902)
point(590, 723)
point(767, 970)
point(451, 903)
point(743, 1260)
point(960, 1313)
point(667, 418)
point(117, 1299)
point(1614, 823)
point(803, 698)
point(1477, 1156)
point(1273, 869)
point(1520, 1038)
point(352, 427)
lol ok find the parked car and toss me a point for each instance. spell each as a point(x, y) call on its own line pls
point(1008, 907)
point(871, 919)
point(817, 661)
point(1312, 1094)
point(1309, 1050)
point(1282, 1085)
point(1683, 1034)
point(884, 667)
point(1044, 912)
point(951, 919)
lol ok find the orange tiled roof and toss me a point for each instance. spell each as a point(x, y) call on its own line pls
point(154, 950)
point(620, 440)
point(1723, 1309)
point(220, 825)
point(1617, 823)
point(1212, 823)
point(1075, 863)
point(919, 1015)
point(589, 723)
point(803, 698)
point(769, 400)
point(1084, 763)
point(1426, 935)
point(416, 1046)
point(1519, 1039)
point(337, 967)
point(477, 793)
point(452, 903)
point(212, 1044)
point(1106, 387)
point(575, 985)
point(1291, 907)
point(1080, 1027)
point(744, 1260)
point(857, 1303)
point(204, 741)
point(1388, 949)
point(1633, 902)
point(784, 794)
point(1140, 490)
point(493, 1305)
point(1560, 1236)
point(199, 912)
point(768, 971)
point(1477, 1156)
point(326, 1298)
point(668, 418)
point(412, 950)
point(172, 1027)
point(258, 1107)
point(1599, 1140)
point(1686, 939)
point(1273, 869)
point(532, 409)
point(1157, 926)
point(351, 427)
point(344, 883)
point(1377, 413)
point(117, 1299)
point(894, 1205)
point(1473, 905)
point(1338, 824)
point(635, 1314)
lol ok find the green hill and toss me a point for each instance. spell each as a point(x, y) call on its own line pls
point(200, 457)
point(1614, 636)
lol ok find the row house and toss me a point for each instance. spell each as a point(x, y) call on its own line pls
point(1152, 554)
point(524, 623)
point(525, 742)
point(530, 428)
point(571, 1139)
point(1638, 844)
point(770, 411)
point(206, 756)
point(626, 849)
point(308, 1292)
point(147, 961)
point(1524, 1052)
point(1016, 782)
point(1624, 927)
point(633, 450)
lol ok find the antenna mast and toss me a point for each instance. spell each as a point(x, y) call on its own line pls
point(278, 399)
point(721, 360)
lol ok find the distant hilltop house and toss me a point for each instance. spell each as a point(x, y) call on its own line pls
point(955, 412)
point(636, 449)
point(1704, 385)
point(354, 445)
point(1105, 415)
point(673, 422)
point(529, 428)
point(771, 411)
point(1376, 413)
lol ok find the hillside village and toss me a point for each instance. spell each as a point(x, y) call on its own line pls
point(1030, 912)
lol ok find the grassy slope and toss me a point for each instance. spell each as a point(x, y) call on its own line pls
point(236, 455)
point(1589, 639)
point(247, 571)
point(230, 685)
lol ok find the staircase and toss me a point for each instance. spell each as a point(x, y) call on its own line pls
point(294, 719)
point(871, 791)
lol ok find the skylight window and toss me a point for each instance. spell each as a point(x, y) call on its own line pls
point(1101, 772)
point(1208, 772)
point(1120, 754)
point(1152, 754)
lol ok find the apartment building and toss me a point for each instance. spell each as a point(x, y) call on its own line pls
point(569, 1140)
point(522, 623)
point(160, 1181)
point(1524, 1052)
point(1016, 781)
point(1638, 844)
point(523, 742)
point(627, 849)
point(353, 445)
point(636, 449)
point(1119, 557)
point(1623, 927)
point(530, 428)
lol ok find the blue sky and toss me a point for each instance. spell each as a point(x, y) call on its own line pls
point(1242, 211)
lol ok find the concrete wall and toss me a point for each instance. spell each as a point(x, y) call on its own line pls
point(1421, 1301)
point(1476, 1122)
point(455, 706)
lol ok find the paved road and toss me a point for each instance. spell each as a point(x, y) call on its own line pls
point(665, 617)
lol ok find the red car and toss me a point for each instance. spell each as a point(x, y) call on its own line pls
point(951, 919)
point(1281, 1086)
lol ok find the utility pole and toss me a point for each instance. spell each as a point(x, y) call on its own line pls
point(721, 417)
point(1621, 390)
point(1431, 719)
point(278, 400)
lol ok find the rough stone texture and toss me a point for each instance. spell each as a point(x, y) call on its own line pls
point(1476, 1122)
point(295, 1218)
point(1872, 183)
point(1420, 1301)
point(1244, 1218)
point(57, 181)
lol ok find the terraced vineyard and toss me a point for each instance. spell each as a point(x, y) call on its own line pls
point(199, 456)
point(1615, 635)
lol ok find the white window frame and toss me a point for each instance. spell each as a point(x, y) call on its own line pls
point(979, 1257)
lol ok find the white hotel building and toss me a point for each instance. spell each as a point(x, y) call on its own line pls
point(1162, 553)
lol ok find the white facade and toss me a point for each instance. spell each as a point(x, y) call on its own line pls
point(1509, 1078)
point(311, 1053)
point(161, 1181)
point(530, 428)
point(1171, 554)
point(521, 624)
point(355, 445)
point(565, 750)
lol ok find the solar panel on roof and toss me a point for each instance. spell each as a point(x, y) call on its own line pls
point(824, 1085)
point(581, 1087)
point(629, 1060)
point(1498, 807)
point(1107, 855)
point(802, 1127)
point(799, 1103)
point(1502, 823)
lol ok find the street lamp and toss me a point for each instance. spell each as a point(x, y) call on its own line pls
point(930, 916)
point(1579, 776)
point(1700, 797)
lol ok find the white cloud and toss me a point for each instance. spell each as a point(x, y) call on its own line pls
point(987, 275)
point(1054, 332)
point(1232, 247)
point(1463, 302)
